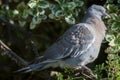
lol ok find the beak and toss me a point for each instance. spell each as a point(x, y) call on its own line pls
point(107, 15)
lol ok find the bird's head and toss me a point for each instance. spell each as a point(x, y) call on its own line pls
point(97, 11)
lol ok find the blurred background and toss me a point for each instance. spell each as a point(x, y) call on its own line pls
point(29, 27)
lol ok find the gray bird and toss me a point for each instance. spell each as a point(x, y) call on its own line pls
point(78, 46)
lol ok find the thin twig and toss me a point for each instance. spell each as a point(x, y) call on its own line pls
point(12, 54)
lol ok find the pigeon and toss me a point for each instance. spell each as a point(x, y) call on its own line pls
point(78, 46)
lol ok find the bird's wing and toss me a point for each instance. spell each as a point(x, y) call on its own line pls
point(74, 42)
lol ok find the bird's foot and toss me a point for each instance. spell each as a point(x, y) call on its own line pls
point(88, 72)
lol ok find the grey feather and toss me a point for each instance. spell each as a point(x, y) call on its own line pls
point(78, 36)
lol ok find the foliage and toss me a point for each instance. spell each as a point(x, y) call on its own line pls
point(113, 67)
point(41, 10)
point(113, 24)
point(110, 70)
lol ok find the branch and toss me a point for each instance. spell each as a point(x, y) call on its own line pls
point(12, 54)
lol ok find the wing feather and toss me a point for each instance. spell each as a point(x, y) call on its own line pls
point(73, 43)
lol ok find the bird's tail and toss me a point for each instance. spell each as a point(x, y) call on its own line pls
point(33, 67)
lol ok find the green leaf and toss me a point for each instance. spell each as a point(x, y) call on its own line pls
point(117, 40)
point(112, 8)
point(54, 9)
point(43, 17)
point(32, 3)
point(15, 12)
point(25, 13)
point(51, 16)
point(36, 19)
point(11, 14)
point(59, 13)
point(115, 26)
point(109, 37)
point(68, 5)
point(22, 23)
point(60, 1)
point(118, 78)
point(114, 16)
point(2, 13)
point(79, 3)
point(33, 11)
point(43, 4)
point(60, 76)
point(71, 5)
point(41, 11)
point(22, 6)
point(70, 19)
point(32, 25)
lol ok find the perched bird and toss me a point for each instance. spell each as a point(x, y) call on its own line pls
point(78, 46)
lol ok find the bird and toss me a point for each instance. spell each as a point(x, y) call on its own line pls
point(78, 46)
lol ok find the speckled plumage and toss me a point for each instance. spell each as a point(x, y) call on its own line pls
point(78, 46)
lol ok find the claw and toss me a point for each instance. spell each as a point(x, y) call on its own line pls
point(88, 72)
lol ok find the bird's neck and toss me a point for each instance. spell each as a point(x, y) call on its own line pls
point(87, 18)
point(96, 23)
